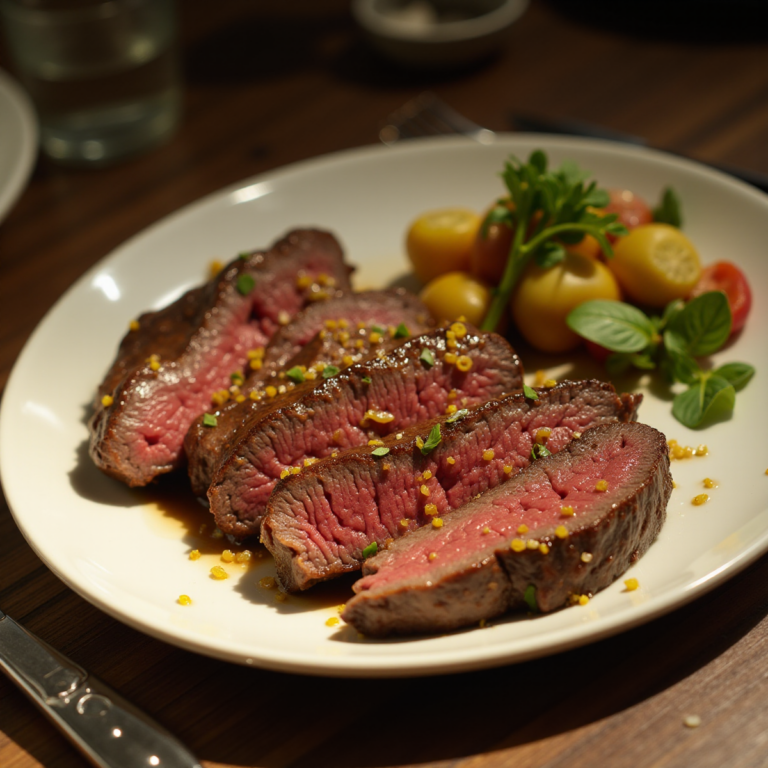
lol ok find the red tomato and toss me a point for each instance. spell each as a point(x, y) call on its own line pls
point(489, 254)
point(632, 210)
point(728, 278)
point(598, 353)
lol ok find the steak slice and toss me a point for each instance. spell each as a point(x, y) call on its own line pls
point(416, 381)
point(327, 333)
point(319, 523)
point(479, 565)
point(166, 370)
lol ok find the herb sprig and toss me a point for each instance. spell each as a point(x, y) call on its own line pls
point(545, 210)
point(672, 343)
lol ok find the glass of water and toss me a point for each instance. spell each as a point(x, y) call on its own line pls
point(103, 74)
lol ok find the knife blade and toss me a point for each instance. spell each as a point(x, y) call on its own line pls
point(537, 124)
point(107, 729)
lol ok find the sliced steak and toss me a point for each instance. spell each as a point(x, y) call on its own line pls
point(319, 523)
point(335, 333)
point(414, 382)
point(479, 565)
point(168, 367)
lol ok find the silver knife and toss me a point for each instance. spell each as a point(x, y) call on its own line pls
point(107, 729)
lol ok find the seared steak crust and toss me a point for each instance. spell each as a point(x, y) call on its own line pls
point(324, 333)
point(478, 565)
point(319, 522)
point(414, 382)
point(167, 369)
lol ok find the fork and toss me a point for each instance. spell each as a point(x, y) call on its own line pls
point(427, 115)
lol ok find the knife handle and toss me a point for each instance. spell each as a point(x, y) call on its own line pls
point(109, 731)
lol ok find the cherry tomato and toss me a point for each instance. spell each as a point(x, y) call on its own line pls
point(727, 277)
point(544, 297)
point(457, 294)
point(440, 241)
point(631, 209)
point(654, 264)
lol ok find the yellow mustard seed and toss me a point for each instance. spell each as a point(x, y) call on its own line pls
point(451, 409)
point(134, 325)
point(194, 554)
point(586, 557)
point(631, 584)
point(303, 281)
point(270, 391)
point(419, 442)
point(532, 544)
point(343, 323)
point(701, 450)
point(488, 454)
point(107, 400)
point(424, 490)
point(215, 267)
point(522, 528)
point(486, 529)
point(561, 532)
point(702, 498)
point(452, 461)
point(154, 365)
point(267, 582)
point(280, 597)
point(583, 599)
point(255, 395)
point(459, 329)
point(375, 442)
point(295, 470)
point(544, 548)
point(710, 483)
point(517, 545)
point(432, 555)
point(384, 467)
point(507, 469)
point(576, 435)
point(539, 378)
point(542, 435)
point(403, 523)
point(452, 394)
point(380, 417)
point(285, 474)
point(430, 509)
point(283, 318)
point(549, 383)
point(185, 600)
point(218, 573)
point(255, 364)
point(451, 344)
point(450, 358)
point(464, 363)
point(374, 338)
point(347, 360)
point(601, 486)
point(437, 522)
point(332, 621)
point(227, 556)
point(243, 557)
point(427, 475)
point(240, 399)
point(567, 511)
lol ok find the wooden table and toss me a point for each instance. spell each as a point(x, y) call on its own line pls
point(265, 87)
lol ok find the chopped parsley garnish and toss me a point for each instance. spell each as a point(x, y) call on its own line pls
point(209, 420)
point(371, 550)
point(377, 329)
point(236, 378)
point(427, 357)
point(366, 379)
point(296, 375)
point(245, 284)
point(329, 371)
point(539, 451)
point(530, 598)
point(401, 332)
point(434, 439)
point(457, 416)
point(380, 451)
point(530, 392)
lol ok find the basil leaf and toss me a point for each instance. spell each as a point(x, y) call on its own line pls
point(296, 375)
point(382, 450)
point(614, 325)
point(370, 550)
point(530, 392)
point(668, 211)
point(245, 284)
point(456, 416)
point(530, 598)
point(434, 439)
point(427, 357)
point(736, 374)
point(702, 326)
point(549, 254)
point(682, 367)
point(711, 397)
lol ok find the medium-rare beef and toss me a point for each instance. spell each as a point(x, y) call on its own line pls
point(334, 333)
point(565, 527)
point(168, 366)
point(415, 381)
point(319, 523)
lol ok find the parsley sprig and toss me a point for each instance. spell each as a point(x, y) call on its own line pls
point(671, 343)
point(546, 210)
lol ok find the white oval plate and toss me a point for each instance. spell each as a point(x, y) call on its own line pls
point(127, 551)
point(18, 147)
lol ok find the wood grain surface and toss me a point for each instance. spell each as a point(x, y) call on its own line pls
point(267, 84)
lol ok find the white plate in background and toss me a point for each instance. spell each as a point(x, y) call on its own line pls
point(126, 550)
